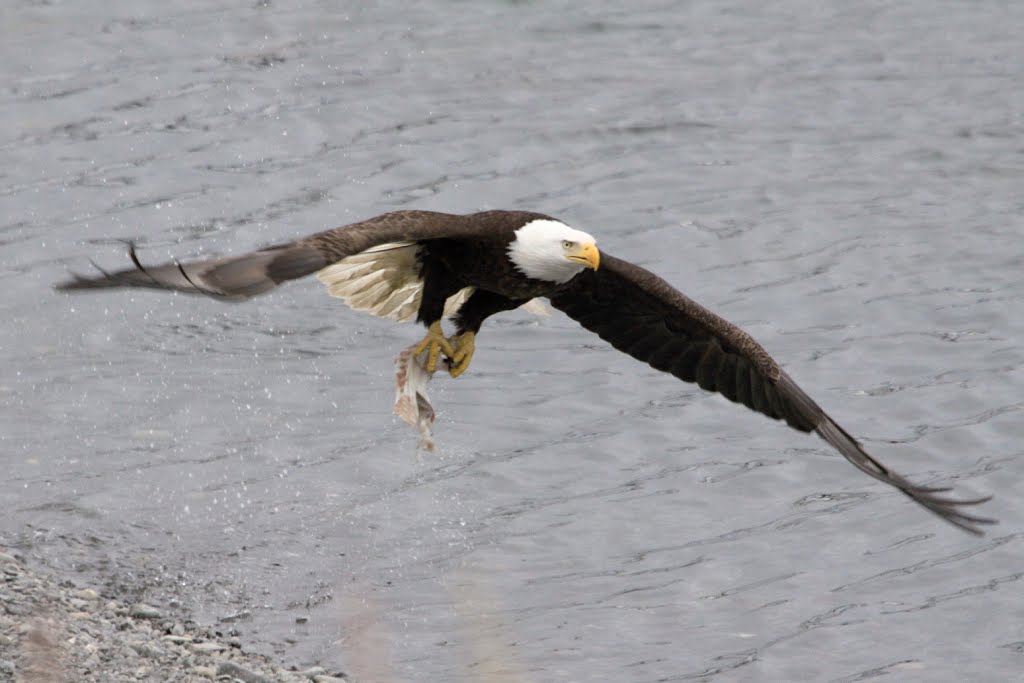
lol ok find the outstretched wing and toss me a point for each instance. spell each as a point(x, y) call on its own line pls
point(235, 278)
point(642, 315)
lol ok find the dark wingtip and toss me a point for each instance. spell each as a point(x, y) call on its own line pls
point(950, 510)
point(80, 282)
point(928, 497)
point(138, 276)
point(76, 282)
point(106, 278)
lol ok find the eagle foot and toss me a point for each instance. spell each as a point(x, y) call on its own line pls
point(465, 345)
point(434, 344)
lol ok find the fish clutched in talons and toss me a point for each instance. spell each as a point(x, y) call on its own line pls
point(465, 345)
point(413, 373)
point(434, 343)
point(411, 401)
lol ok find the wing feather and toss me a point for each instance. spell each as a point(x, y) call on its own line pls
point(236, 278)
point(645, 317)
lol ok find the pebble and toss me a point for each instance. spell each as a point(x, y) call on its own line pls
point(147, 650)
point(241, 673)
point(87, 594)
point(209, 647)
point(144, 611)
point(238, 616)
point(329, 679)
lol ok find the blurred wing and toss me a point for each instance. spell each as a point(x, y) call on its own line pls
point(236, 278)
point(640, 314)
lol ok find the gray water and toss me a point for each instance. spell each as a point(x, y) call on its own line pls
point(842, 179)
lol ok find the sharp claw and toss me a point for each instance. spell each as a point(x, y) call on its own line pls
point(421, 347)
point(465, 345)
point(434, 343)
point(434, 355)
point(458, 350)
point(457, 368)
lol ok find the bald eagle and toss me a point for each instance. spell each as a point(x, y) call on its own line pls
point(431, 265)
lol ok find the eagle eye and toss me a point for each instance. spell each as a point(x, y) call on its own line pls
point(566, 244)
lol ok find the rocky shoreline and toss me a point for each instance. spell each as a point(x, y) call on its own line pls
point(54, 632)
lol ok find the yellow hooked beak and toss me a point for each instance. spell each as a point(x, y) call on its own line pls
point(587, 254)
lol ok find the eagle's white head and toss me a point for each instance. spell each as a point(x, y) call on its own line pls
point(550, 250)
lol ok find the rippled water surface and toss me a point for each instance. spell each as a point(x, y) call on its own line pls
point(842, 179)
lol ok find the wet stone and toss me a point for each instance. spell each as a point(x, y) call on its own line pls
point(147, 650)
point(86, 594)
point(144, 611)
point(238, 616)
point(241, 673)
point(209, 647)
point(80, 604)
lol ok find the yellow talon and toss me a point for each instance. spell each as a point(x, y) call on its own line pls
point(465, 345)
point(434, 343)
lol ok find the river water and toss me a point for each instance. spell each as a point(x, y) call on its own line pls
point(841, 179)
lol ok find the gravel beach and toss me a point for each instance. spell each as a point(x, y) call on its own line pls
point(52, 631)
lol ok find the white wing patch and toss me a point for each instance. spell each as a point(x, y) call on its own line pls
point(536, 307)
point(384, 281)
